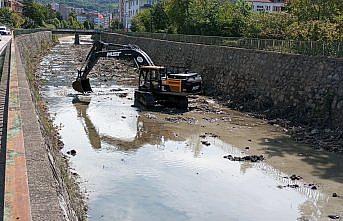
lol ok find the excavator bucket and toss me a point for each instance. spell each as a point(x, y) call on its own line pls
point(82, 86)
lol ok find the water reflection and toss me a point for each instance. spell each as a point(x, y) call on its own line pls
point(90, 129)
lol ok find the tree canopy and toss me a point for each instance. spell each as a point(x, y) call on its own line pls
point(301, 19)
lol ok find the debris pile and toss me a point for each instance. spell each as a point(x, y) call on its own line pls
point(179, 119)
point(252, 158)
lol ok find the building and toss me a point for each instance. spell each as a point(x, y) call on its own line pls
point(99, 20)
point(79, 10)
point(121, 9)
point(267, 5)
point(55, 6)
point(107, 20)
point(65, 11)
point(132, 8)
point(2, 3)
point(82, 18)
point(14, 5)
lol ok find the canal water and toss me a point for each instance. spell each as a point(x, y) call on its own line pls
point(132, 168)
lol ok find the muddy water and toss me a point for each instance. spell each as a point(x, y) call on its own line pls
point(136, 165)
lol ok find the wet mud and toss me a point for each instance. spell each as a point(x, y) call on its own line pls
point(135, 164)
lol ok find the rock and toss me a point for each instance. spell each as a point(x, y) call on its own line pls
point(123, 117)
point(122, 95)
point(293, 185)
point(212, 135)
point(206, 143)
point(333, 216)
point(314, 131)
point(247, 148)
point(312, 186)
point(151, 116)
point(116, 90)
point(334, 195)
point(71, 152)
point(295, 177)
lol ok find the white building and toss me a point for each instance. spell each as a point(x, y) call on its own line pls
point(267, 5)
point(133, 7)
point(107, 20)
point(55, 6)
point(81, 18)
point(2, 3)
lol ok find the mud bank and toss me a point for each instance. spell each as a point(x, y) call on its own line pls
point(163, 164)
point(54, 195)
point(304, 94)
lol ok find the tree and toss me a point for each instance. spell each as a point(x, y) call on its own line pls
point(37, 14)
point(142, 22)
point(116, 25)
point(64, 24)
point(178, 14)
point(306, 10)
point(9, 18)
point(159, 17)
point(87, 24)
point(73, 22)
point(268, 25)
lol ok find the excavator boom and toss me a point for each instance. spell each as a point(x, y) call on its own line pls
point(107, 50)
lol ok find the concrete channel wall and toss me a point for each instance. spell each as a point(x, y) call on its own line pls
point(45, 170)
point(307, 90)
point(4, 85)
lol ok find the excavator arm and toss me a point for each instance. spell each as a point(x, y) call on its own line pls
point(107, 50)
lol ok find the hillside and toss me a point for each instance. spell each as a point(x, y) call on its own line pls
point(99, 5)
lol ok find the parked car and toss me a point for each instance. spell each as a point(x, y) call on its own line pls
point(4, 30)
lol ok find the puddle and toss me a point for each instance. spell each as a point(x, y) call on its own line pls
point(133, 168)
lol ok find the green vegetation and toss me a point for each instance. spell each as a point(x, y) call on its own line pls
point(36, 15)
point(98, 5)
point(11, 19)
point(302, 20)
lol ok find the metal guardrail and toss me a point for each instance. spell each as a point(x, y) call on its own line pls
point(311, 48)
point(18, 32)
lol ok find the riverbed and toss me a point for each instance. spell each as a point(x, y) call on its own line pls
point(161, 164)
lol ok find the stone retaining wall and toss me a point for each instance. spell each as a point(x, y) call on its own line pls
point(306, 90)
point(51, 188)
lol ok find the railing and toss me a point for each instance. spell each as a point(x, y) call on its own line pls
point(312, 48)
point(18, 32)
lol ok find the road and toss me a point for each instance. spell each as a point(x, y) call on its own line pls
point(4, 40)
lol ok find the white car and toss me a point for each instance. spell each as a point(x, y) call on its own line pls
point(4, 30)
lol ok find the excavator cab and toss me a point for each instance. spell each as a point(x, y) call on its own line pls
point(150, 78)
point(155, 87)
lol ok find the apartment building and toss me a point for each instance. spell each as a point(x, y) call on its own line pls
point(14, 5)
point(267, 5)
point(132, 7)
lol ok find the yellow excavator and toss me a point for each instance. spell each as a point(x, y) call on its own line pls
point(157, 84)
